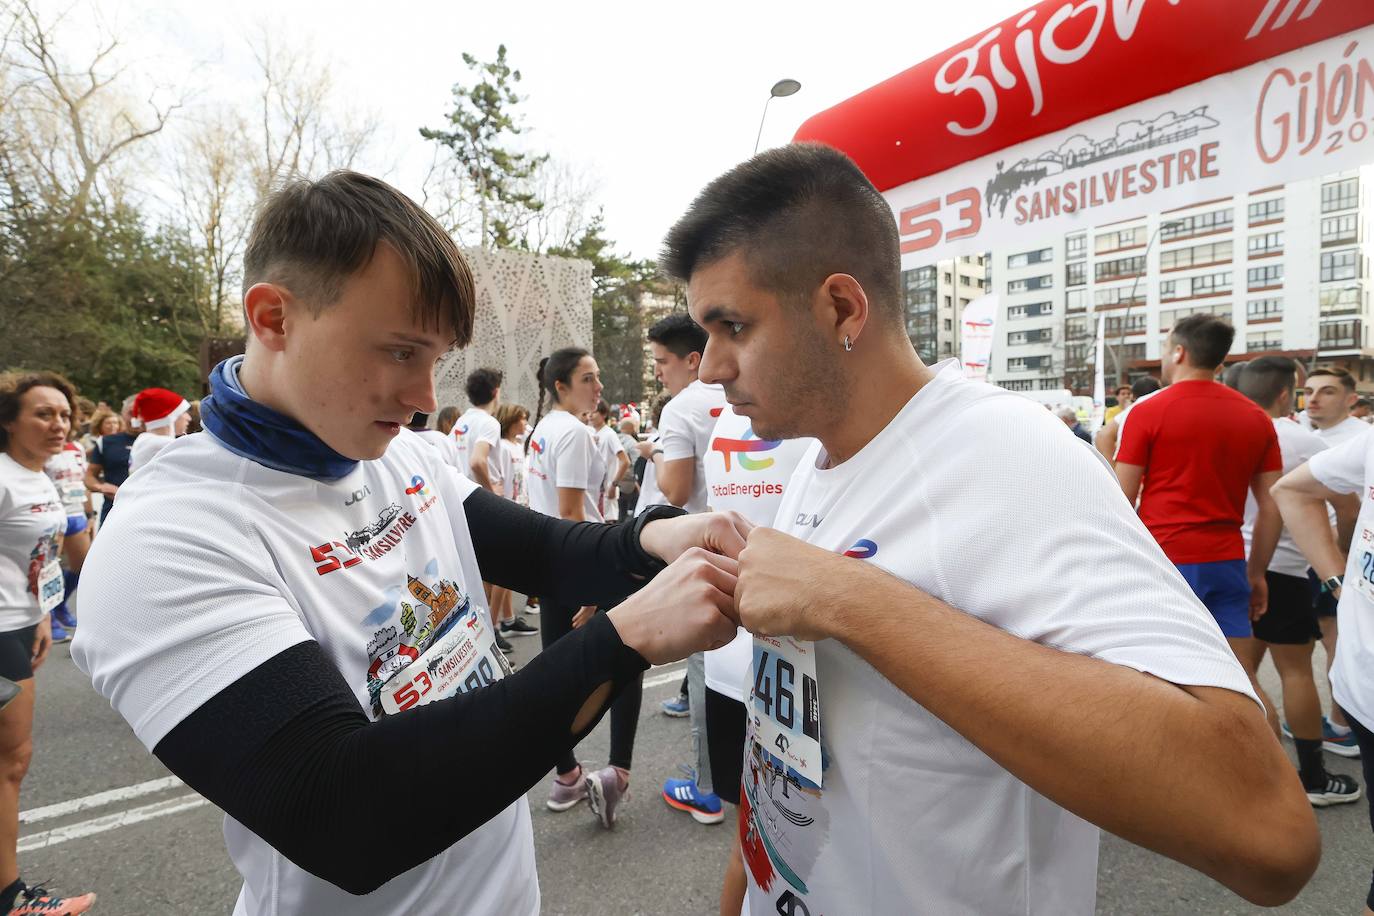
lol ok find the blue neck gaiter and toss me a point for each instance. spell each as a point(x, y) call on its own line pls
point(258, 433)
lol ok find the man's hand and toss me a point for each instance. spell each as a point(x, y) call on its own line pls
point(718, 532)
point(782, 583)
point(42, 642)
point(1259, 597)
point(646, 449)
point(689, 607)
point(584, 613)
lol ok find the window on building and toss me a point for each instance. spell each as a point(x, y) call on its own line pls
point(1265, 243)
point(1079, 354)
point(1256, 341)
point(1344, 300)
point(1027, 384)
point(1196, 256)
point(1076, 246)
point(1266, 211)
point(1076, 300)
point(1026, 258)
point(949, 303)
point(1169, 317)
point(1261, 309)
point(1030, 336)
point(1131, 351)
point(1263, 277)
point(1337, 229)
point(1051, 384)
point(963, 302)
point(1030, 310)
point(1340, 265)
point(1120, 268)
point(1119, 295)
point(1198, 224)
point(1076, 274)
point(1116, 325)
point(1118, 240)
point(1204, 285)
point(944, 347)
point(1028, 363)
point(949, 278)
point(949, 324)
point(1342, 335)
point(1030, 283)
point(1341, 195)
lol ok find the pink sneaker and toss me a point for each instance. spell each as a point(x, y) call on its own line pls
point(562, 796)
point(34, 901)
point(604, 794)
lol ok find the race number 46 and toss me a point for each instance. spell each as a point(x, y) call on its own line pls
point(785, 704)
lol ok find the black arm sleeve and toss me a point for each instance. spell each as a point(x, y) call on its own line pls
point(287, 752)
point(570, 563)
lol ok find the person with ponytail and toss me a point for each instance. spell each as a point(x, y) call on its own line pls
point(565, 474)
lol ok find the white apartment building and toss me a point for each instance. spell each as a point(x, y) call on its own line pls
point(934, 298)
point(1288, 266)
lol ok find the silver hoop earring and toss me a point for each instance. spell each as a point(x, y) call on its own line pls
point(847, 345)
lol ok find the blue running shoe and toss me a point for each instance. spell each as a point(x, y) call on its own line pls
point(684, 795)
point(677, 707)
point(1344, 745)
point(59, 633)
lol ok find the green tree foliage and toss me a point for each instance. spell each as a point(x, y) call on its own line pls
point(480, 128)
point(100, 299)
point(617, 328)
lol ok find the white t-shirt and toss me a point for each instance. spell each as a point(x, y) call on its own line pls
point(31, 524)
point(1349, 428)
point(649, 493)
point(685, 432)
point(67, 471)
point(976, 497)
point(1349, 468)
point(608, 444)
point(1121, 418)
point(214, 564)
point(747, 475)
point(446, 447)
point(514, 482)
point(1297, 446)
point(145, 448)
point(563, 454)
point(473, 427)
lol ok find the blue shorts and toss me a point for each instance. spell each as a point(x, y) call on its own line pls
point(1224, 589)
point(76, 524)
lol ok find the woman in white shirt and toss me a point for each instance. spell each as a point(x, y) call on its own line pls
point(565, 476)
point(35, 418)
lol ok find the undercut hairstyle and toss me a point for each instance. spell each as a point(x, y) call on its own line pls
point(1143, 386)
point(445, 420)
point(508, 415)
point(1231, 377)
point(14, 386)
point(482, 385)
point(1206, 338)
point(1265, 379)
point(1347, 380)
point(311, 236)
point(797, 214)
point(679, 334)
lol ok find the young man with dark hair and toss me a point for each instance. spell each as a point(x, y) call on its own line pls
point(477, 435)
point(917, 642)
point(1330, 396)
point(678, 478)
point(1190, 454)
point(286, 607)
point(1288, 628)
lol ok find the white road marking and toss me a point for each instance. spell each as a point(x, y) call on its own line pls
point(98, 800)
point(109, 822)
point(666, 677)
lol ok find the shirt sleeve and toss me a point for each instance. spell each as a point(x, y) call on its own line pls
point(678, 438)
point(573, 459)
point(1342, 468)
point(96, 457)
point(1138, 437)
point(490, 432)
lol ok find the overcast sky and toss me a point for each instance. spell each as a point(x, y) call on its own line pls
point(651, 100)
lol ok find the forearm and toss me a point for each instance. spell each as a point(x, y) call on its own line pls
point(1310, 526)
point(1116, 747)
point(480, 474)
point(1264, 538)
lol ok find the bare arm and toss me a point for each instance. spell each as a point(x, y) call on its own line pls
point(478, 465)
point(1268, 527)
point(1172, 768)
point(675, 479)
point(1106, 439)
point(1130, 477)
point(1302, 502)
point(570, 504)
point(94, 481)
point(1347, 509)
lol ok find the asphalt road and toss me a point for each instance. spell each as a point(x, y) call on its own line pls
point(102, 814)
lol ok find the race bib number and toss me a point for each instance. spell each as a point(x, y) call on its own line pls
point(465, 658)
point(785, 702)
point(50, 588)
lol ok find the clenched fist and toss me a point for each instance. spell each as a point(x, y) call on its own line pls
point(785, 586)
point(688, 607)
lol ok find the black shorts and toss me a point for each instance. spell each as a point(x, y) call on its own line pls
point(16, 653)
point(1290, 620)
point(725, 722)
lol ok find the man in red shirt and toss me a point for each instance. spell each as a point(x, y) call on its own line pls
point(1197, 447)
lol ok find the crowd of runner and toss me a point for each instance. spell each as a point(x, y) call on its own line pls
point(872, 567)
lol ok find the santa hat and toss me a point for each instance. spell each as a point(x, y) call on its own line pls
point(628, 412)
point(155, 408)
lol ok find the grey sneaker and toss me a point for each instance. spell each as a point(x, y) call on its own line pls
point(562, 797)
point(518, 627)
point(604, 794)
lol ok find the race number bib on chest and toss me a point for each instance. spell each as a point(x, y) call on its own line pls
point(785, 703)
point(465, 658)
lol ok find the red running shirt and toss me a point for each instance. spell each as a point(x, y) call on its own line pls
point(1200, 443)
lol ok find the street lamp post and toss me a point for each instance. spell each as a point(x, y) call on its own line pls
point(781, 89)
point(1135, 284)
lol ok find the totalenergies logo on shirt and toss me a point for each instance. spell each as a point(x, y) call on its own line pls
point(742, 449)
point(863, 549)
point(417, 487)
point(462, 430)
point(537, 445)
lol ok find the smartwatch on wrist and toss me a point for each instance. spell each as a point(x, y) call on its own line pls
point(652, 514)
point(1331, 584)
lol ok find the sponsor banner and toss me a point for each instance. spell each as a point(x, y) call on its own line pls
point(976, 329)
point(1306, 113)
point(1059, 63)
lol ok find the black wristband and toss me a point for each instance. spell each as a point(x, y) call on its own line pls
point(652, 514)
